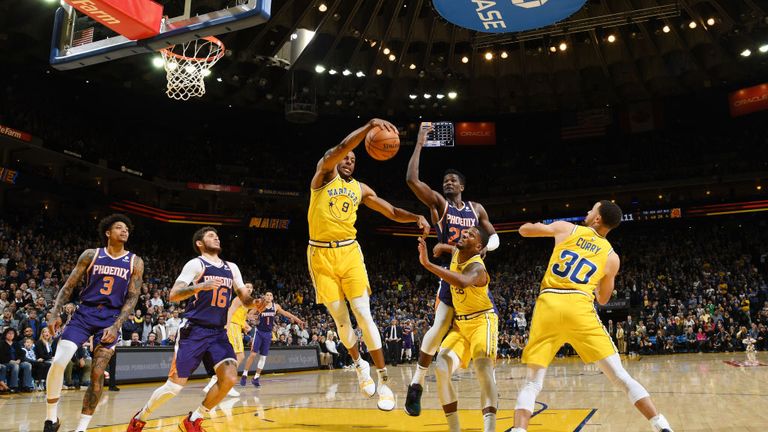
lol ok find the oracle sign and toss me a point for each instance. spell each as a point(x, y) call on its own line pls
point(476, 133)
point(506, 16)
point(748, 100)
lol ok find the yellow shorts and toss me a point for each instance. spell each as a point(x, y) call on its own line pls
point(235, 334)
point(473, 338)
point(560, 318)
point(337, 273)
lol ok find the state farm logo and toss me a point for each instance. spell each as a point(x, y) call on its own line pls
point(13, 133)
point(751, 100)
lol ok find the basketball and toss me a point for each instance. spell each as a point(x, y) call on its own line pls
point(382, 144)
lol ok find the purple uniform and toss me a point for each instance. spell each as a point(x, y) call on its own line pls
point(205, 317)
point(407, 338)
point(106, 284)
point(263, 337)
point(449, 229)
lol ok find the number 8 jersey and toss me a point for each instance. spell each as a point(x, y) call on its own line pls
point(578, 263)
point(209, 308)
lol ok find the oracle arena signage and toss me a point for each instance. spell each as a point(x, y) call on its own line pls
point(507, 15)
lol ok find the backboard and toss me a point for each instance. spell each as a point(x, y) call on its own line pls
point(79, 40)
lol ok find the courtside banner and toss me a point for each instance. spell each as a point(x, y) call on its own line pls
point(475, 133)
point(15, 133)
point(748, 100)
point(134, 19)
point(507, 15)
point(214, 187)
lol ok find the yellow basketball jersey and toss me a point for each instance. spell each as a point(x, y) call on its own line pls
point(578, 262)
point(472, 298)
point(333, 210)
point(240, 315)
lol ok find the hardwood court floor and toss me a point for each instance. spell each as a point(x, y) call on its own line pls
point(696, 392)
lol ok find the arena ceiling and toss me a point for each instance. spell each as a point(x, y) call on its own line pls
point(396, 52)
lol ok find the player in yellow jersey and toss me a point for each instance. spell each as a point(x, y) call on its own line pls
point(583, 266)
point(336, 260)
point(475, 331)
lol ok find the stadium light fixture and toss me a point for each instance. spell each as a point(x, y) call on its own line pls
point(504, 54)
point(319, 69)
point(360, 74)
point(413, 96)
point(440, 95)
point(553, 49)
point(452, 95)
point(711, 21)
point(465, 59)
point(392, 57)
point(322, 7)
point(332, 72)
point(379, 71)
point(611, 38)
point(563, 46)
point(427, 96)
point(746, 53)
point(412, 66)
point(489, 56)
point(386, 51)
point(763, 48)
point(666, 29)
point(692, 25)
point(346, 72)
point(158, 62)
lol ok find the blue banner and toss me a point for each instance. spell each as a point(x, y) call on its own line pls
point(507, 15)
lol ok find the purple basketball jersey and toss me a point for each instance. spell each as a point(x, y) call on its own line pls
point(209, 308)
point(452, 224)
point(107, 279)
point(267, 319)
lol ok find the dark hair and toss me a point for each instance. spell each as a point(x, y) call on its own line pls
point(10, 329)
point(198, 236)
point(462, 179)
point(106, 223)
point(610, 214)
point(484, 236)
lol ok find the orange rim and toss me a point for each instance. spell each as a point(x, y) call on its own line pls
point(169, 52)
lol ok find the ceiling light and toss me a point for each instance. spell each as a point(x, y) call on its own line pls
point(319, 69)
point(206, 72)
point(563, 46)
point(158, 62)
point(746, 53)
point(427, 96)
point(412, 66)
point(504, 54)
point(553, 49)
point(386, 51)
point(379, 71)
point(452, 95)
point(758, 187)
point(413, 96)
point(489, 56)
point(373, 43)
point(665, 29)
point(360, 74)
point(322, 7)
point(346, 72)
point(465, 59)
point(440, 95)
point(332, 72)
point(294, 36)
point(219, 79)
point(392, 57)
point(189, 69)
point(692, 25)
point(763, 48)
point(611, 38)
point(711, 22)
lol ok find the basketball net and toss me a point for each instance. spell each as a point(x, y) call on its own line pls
point(187, 65)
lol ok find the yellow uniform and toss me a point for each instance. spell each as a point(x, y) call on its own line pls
point(475, 332)
point(235, 329)
point(565, 310)
point(335, 259)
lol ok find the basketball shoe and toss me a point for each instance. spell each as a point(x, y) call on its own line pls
point(386, 398)
point(51, 426)
point(136, 425)
point(413, 400)
point(367, 386)
point(187, 425)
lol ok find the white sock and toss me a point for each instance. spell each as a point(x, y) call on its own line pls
point(359, 362)
point(418, 377)
point(383, 376)
point(489, 422)
point(200, 412)
point(516, 430)
point(84, 421)
point(660, 422)
point(453, 421)
point(52, 409)
point(245, 373)
point(256, 375)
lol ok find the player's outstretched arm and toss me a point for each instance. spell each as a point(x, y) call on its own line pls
point(543, 230)
point(374, 202)
point(65, 293)
point(131, 298)
point(431, 198)
point(483, 221)
point(473, 274)
point(605, 286)
point(288, 315)
point(326, 167)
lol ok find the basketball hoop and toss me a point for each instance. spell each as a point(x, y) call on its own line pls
point(187, 64)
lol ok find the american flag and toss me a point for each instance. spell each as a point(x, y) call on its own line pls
point(585, 124)
point(83, 37)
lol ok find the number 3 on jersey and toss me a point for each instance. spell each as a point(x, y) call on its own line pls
point(108, 282)
point(566, 268)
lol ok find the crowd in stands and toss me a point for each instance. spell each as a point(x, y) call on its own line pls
point(692, 286)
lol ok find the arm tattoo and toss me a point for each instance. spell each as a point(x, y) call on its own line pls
point(134, 290)
point(65, 293)
point(93, 394)
point(181, 291)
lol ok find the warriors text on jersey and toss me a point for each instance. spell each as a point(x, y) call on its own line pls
point(107, 279)
point(578, 263)
point(333, 210)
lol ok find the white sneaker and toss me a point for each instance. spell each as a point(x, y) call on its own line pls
point(367, 386)
point(233, 393)
point(386, 398)
point(210, 384)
